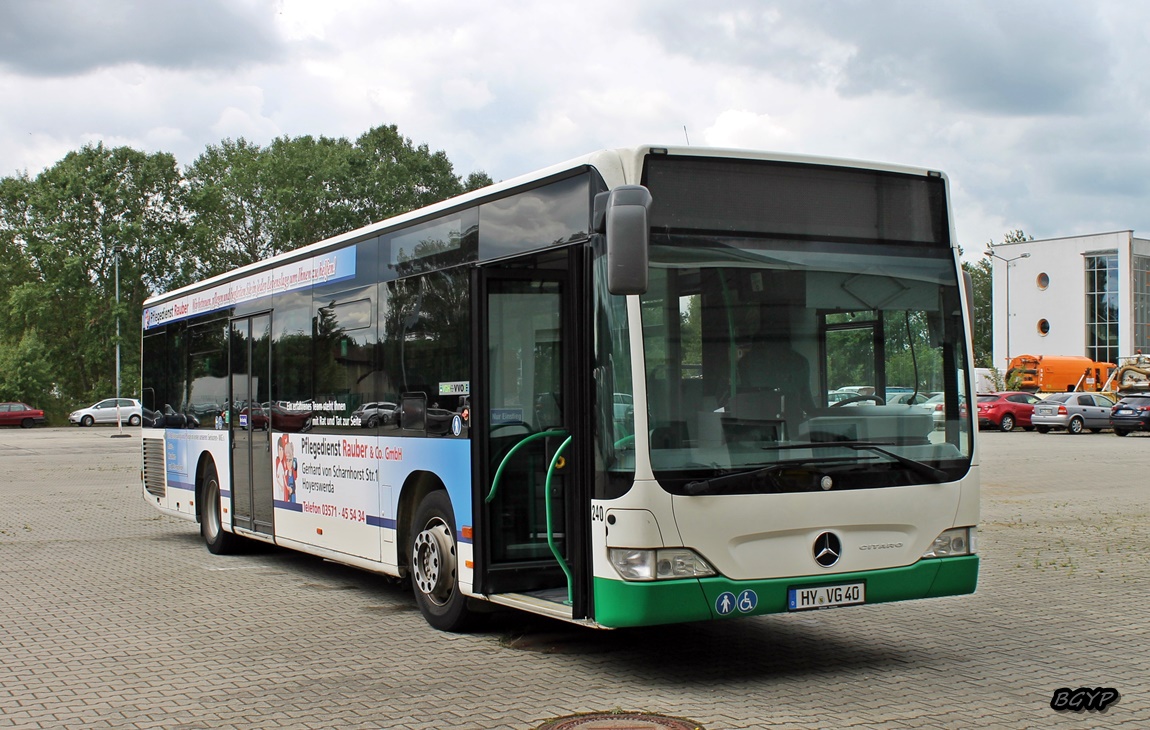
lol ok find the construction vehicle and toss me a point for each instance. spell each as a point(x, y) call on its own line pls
point(1131, 376)
point(1060, 373)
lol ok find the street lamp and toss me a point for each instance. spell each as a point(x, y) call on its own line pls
point(117, 250)
point(1009, 261)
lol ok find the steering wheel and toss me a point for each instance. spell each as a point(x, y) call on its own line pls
point(858, 399)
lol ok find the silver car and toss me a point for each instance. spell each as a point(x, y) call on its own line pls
point(1075, 412)
point(106, 411)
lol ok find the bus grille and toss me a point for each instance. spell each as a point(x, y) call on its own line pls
point(154, 467)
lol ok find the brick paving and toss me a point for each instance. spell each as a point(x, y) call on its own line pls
point(114, 616)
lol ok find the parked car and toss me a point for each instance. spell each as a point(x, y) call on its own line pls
point(1076, 412)
point(261, 417)
point(1132, 413)
point(253, 417)
point(936, 406)
point(1006, 410)
point(104, 411)
point(909, 398)
point(624, 406)
point(372, 415)
point(168, 418)
point(20, 414)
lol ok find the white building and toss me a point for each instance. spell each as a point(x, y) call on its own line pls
point(1080, 295)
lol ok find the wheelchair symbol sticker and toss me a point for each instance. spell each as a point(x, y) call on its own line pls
point(727, 603)
point(747, 601)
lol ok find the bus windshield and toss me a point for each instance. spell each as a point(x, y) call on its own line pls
point(793, 365)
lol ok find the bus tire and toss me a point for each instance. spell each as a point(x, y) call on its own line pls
point(219, 541)
point(433, 551)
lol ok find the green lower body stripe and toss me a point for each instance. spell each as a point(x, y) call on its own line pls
point(619, 604)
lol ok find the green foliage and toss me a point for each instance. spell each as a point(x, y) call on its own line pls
point(25, 372)
point(982, 326)
point(249, 203)
point(236, 204)
point(63, 229)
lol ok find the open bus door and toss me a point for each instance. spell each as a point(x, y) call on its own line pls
point(529, 414)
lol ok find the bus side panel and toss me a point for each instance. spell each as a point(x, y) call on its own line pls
point(183, 450)
point(347, 489)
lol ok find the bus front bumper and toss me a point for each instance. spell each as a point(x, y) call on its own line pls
point(620, 604)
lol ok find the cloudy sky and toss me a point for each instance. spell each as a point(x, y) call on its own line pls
point(1038, 110)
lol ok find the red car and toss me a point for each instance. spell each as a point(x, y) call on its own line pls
point(1006, 410)
point(20, 414)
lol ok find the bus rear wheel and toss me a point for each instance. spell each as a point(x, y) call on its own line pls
point(434, 565)
point(219, 542)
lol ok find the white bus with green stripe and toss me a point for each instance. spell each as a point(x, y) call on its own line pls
point(647, 386)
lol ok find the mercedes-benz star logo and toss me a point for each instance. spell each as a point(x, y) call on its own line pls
point(827, 549)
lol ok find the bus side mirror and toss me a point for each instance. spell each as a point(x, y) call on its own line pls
point(622, 215)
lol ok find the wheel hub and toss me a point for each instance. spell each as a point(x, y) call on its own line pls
point(433, 561)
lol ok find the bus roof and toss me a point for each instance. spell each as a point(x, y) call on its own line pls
point(621, 166)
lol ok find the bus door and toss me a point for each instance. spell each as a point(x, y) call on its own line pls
point(527, 426)
point(248, 422)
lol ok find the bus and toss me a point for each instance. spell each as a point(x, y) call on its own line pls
point(598, 393)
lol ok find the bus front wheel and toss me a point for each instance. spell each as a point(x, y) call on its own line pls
point(218, 541)
point(434, 565)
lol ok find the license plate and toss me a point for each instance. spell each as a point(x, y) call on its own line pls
point(806, 599)
point(1124, 412)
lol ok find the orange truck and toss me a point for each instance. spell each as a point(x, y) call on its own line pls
point(1057, 373)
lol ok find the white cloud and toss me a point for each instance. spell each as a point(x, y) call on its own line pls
point(1037, 111)
point(745, 129)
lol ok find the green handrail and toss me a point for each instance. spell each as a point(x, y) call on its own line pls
point(516, 447)
point(550, 531)
point(546, 493)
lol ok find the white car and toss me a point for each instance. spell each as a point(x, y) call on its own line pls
point(105, 412)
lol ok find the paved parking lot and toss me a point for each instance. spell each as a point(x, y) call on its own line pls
point(116, 617)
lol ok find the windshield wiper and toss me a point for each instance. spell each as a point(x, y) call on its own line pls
point(716, 485)
point(918, 467)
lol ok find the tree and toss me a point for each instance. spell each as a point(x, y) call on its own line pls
point(25, 372)
point(229, 207)
point(61, 232)
point(64, 228)
point(250, 203)
point(982, 328)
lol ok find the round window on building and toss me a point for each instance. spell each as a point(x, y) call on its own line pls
point(1043, 281)
point(1043, 327)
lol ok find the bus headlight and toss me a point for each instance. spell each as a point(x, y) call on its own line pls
point(955, 541)
point(662, 564)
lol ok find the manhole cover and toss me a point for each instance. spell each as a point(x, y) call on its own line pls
point(620, 721)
